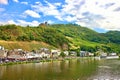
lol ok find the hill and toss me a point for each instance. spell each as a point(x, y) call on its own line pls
point(42, 34)
point(113, 36)
point(62, 36)
point(87, 39)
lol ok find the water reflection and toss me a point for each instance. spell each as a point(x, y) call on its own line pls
point(107, 70)
point(77, 69)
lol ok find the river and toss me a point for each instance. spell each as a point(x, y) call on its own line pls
point(76, 69)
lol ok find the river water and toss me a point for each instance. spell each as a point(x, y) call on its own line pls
point(76, 69)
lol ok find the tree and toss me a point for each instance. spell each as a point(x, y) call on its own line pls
point(78, 54)
point(62, 54)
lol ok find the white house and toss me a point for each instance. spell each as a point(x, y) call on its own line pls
point(55, 53)
point(90, 54)
point(66, 53)
point(73, 53)
point(3, 53)
point(2, 48)
point(83, 53)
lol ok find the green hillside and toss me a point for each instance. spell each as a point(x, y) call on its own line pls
point(76, 31)
point(87, 39)
point(42, 34)
point(62, 36)
point(113, 36)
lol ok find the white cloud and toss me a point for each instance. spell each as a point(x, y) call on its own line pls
point(2, 9)
point(11, 22)
point(16, 1)
point(95, 14)
point(57, 4)
point(8, 22)
point(50, 22)
point(3, 1)
point(48, 9)
point(37, 2)
point(25, 3)
point(51, 9)
point(102, 14)
point(32, 14)
point(25, 23)
point(70, 18)
point(21, 22)
point(110, 23)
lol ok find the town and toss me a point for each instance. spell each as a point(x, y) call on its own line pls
point(19, 55)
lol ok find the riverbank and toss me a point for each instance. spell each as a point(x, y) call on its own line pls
point(36, 61)
point(50, 60)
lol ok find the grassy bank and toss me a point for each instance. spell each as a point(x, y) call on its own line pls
point(28, 46)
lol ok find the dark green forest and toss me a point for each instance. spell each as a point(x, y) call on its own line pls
point(64, 36)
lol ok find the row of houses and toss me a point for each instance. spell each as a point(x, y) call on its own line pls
point(39, 54)
point(42, 53)
point(19, 54)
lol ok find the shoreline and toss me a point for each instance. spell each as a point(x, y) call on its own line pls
point(35, 61)
point(48, 60)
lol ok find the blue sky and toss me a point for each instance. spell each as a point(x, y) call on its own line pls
point(99, 15)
